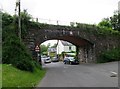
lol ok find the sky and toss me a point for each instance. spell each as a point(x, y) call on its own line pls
point(64, 11)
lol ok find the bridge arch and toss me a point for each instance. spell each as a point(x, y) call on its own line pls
point(90, 43)
point(72, 39)
point(85, 49)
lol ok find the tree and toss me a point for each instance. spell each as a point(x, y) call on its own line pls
point(25, 22)
point(115, 21)
point(105, 23)
point(6, 19)
point(43, 48)
point(72, 24)
point(48, 45)
point(14, 52)
point(112, 22)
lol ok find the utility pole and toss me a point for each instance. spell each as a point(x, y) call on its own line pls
point(119, 7)
point(19, 18)
point(57, 48)
point(57, 22)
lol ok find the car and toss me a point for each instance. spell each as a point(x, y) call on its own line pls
point(65, 61)
point(46, 59)
point(55, 59)
point(70, 60)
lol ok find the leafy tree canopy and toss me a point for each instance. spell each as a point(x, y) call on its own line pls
point(112, 22)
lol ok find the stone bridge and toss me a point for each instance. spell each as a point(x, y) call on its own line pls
point(88, 39)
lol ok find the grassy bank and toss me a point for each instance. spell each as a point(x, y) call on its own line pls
point(12, 77)
point(0, 76)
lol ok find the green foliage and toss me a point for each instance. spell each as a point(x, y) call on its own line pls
point(115, 21)
point(106, 27)
point(109, 25)
point(112, 22)
point(109, 56)
point(17, 79)
point(37, 65)
point(14, 52)
point(25, 22)
point(85, 26)
point(107, 31)
point(105, 23)
point(6, 19)
point(37, 25)
point(43, 48)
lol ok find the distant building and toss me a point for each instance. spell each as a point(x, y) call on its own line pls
point(64, 46)
point(51, 50)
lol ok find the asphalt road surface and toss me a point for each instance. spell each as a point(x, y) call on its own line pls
point(83, 75)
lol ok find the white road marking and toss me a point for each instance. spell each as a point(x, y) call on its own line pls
point(113, 74)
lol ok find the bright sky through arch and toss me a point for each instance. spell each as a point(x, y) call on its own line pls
point(51, 42)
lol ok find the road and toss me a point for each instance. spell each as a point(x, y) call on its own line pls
point(83, 75)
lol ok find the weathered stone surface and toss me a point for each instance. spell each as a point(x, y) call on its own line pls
point(90, 42)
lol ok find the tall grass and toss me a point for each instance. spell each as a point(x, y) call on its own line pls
point(0, 76)
point(13, 77)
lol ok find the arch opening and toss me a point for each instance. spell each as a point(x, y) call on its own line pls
point(83, 49)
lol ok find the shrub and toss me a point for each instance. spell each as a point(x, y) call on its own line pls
point(109, 56)
point(37, 65)
point(24, 65)
point(15, 53)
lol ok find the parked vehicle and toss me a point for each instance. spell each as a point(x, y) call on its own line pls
point(70, 60)
point(65, 61)
point(55, 59)
point(46, 59)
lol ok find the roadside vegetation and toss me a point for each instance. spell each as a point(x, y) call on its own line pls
point(13, 77)
point(109, 56)
point(110, 25)
point(18, 67)
point(14, 51)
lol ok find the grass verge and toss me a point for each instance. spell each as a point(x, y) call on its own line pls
point(13, 77)
point(0, 76)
